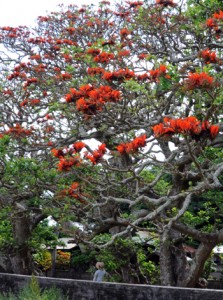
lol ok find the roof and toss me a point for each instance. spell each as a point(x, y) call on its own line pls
point(65, 244)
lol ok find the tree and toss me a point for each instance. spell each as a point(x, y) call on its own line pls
point(143, 80)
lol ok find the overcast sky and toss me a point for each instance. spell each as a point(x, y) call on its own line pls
point(25, 12)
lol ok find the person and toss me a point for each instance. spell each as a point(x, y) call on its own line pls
point(100, 273)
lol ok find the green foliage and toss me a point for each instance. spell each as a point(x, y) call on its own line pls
point(6, 239)
point(147, 267)
point(43, 259)
point(82, 259)
point(33, 292)
point(200, 11)
point(163, 184)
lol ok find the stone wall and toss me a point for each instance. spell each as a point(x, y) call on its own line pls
point(89, 290)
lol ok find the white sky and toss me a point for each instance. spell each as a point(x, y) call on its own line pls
point(25, 12)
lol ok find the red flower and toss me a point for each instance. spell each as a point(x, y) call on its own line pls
point(18, 131)
point(156, 73)
point(219, 15)
point(166, 3)
point(214, 130)
point(120, 75)
point(142, 56)
point(160, 130)
point(34, 102)
point(94, 71)
point(104, 57)
point(211, 22)
point(24, 102)
point(93, 52)
point(124, 32)
point(199, 80)
point(35, 56)
point(70, 30)
point(208, 56)
point(133, 146)
point(97, 154)
point(135, 3)
point(65, 164)
point(78, 146)
point(187, 126)
point(123, 53)
point(58, 153)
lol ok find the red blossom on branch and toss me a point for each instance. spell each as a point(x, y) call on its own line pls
point(89, 100)
point(124, 32)
point(104, 57)
point(208, 56)
point(188, 126)
point(78, 146)
point(133, 146)
point(96, 155)
point(120, 75)
point(157, 73)
point(95, 71)
point(18, 131)
point(166, 3)
point(199, 80)
point(214, 22)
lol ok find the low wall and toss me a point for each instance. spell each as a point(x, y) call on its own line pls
point(89, 290)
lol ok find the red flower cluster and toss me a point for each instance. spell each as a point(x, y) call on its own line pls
point(95, 71)
point(67, 158)
point(123, 53)
point(109, 42)
point(93, 52)
point(8, 92)
point(64, 76)
point(156, 73)
point(124, 32)
point(208, 56)
point(18, 131)
point(213, 22)
point(78, 146)
point(97, 154)
point(142, 56)
point(199, 80)
point(187, 126)
point(143, 77)
point(166, 3)
point(34, 102)
point(134, 4)
point(66, 163)
point(74, 94)
point(120, 75)
point(35, 57)
point(72, 191)
point(16, 74)
point(70, 30)
point(104, 57)
point(30, 81)
point(89, 100)
point(133, 146)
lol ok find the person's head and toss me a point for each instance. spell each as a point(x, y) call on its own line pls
point(100, 265)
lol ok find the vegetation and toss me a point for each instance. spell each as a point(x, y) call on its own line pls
point(33, 292)
point(111, 117)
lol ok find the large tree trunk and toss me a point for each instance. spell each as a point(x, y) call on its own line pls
point(21, 258)
point(174, 267)
point(173, 261)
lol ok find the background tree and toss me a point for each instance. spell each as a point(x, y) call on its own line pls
point(143, 80)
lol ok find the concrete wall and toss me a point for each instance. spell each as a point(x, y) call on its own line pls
point(89, 290)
